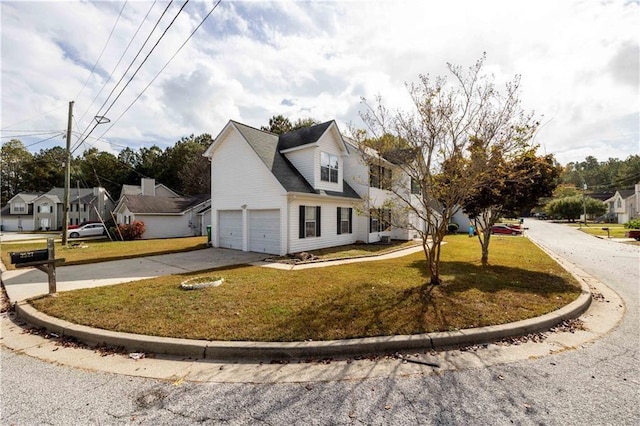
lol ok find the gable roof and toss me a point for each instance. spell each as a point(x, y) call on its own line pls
point(150, 204)
point(626, 193)
point(27, 197)
point(82, 195)
point(303, 136)
point(268, 147)
point(137, 189)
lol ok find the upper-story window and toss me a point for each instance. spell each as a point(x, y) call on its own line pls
point(415, 187)
point(619, 203)
point(45, 208)
point(380, 177)
point(19, 207)
point(328, 167)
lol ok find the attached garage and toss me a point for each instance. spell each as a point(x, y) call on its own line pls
point(264, 231)
point(230, 229)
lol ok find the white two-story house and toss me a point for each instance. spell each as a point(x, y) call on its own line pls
point(303, 190)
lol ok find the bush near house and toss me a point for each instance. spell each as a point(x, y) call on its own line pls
point(128, 232)
point(633, 224)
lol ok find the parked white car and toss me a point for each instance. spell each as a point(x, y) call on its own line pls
point(88, 230)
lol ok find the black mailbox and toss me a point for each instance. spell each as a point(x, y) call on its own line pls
point(29, 256)
point(605, 229)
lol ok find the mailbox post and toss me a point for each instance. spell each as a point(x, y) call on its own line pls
point(44, 260)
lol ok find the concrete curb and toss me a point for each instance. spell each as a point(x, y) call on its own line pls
point(254, 351)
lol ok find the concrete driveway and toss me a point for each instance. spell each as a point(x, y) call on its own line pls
point(22, 284)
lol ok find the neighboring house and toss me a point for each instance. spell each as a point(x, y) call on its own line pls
point(303, 190)
point(148, 186)
point(163, 217)
point(624, 204)
point(44, 211)
point(17, 214)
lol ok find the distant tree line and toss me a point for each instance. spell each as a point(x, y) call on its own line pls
point(603, 176)
point(181, 167)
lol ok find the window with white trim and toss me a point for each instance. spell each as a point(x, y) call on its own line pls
point(328, 167)
point(309, 225)
point(19, 207)
point(344, 220)
point(379, 220)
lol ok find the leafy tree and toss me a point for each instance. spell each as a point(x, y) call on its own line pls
point(569, 208)
point(509, 188)
point(15, 160)
point(184, 167)
point(100, 168)
point(47, 169)
point(279, 124)
point(594, 207)
point(435, 144)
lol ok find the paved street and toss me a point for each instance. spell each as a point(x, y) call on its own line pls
point(597, 383)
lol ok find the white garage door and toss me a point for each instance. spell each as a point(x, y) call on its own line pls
point(230, 229)
point(264, 231)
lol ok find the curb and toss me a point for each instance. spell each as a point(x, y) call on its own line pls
point(254, 351)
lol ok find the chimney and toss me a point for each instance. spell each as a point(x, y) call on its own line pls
point(148, 186)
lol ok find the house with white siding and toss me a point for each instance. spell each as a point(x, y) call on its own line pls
point(303, 190)
point(45, 211)
point(623, 205)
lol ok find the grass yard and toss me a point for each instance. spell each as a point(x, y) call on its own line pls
point(383, 297)
point(616, 230)
point(93, 251)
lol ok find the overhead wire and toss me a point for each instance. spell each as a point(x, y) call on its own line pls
point(122, 57)
point(131, 64)
point(162, 69)
point(34, 117)
point(102, 52)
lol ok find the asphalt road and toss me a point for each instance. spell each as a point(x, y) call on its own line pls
point(595, 384)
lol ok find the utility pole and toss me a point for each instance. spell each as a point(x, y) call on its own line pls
point(584, 203)
point(67, 178)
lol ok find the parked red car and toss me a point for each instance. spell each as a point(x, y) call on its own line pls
point(506, 229)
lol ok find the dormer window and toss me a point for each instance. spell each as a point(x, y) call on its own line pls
point(328, 167)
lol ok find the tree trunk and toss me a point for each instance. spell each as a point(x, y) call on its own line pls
point(485, 248)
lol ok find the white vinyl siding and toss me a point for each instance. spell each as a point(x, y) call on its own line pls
point(240, 180)
point(329, 236)
point(230, 229)
point(304, 160)
point(264, 231)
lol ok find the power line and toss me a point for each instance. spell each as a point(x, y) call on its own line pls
point(136, 71)
point(103, 49)
point(162, 69)
point(31, 134)
point(120, 60)
point(34, 117)
point(44, 140)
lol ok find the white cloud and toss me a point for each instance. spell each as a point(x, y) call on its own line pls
point(250, 60)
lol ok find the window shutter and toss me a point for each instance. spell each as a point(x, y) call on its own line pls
point(339, 215)
point(317, 221)
point(38, 209)
point(301, 225)
point(350, 221)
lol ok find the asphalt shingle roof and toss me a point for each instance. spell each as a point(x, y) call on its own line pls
point(157, 205)
point(268, 146)
point(303, 136)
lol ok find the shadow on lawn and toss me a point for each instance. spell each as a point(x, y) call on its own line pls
point(462, 276)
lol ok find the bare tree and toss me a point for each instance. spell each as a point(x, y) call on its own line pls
point(434, 146)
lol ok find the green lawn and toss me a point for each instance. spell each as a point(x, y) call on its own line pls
point(616, 230)
point(376, 298)
point(93, 251)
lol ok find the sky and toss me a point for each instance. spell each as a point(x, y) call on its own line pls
point(250, 60)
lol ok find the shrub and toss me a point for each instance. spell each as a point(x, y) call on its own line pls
point(131, 231)
point(452, 228)
point(633, 224)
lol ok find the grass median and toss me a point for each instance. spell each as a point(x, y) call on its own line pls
point(384, 297)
